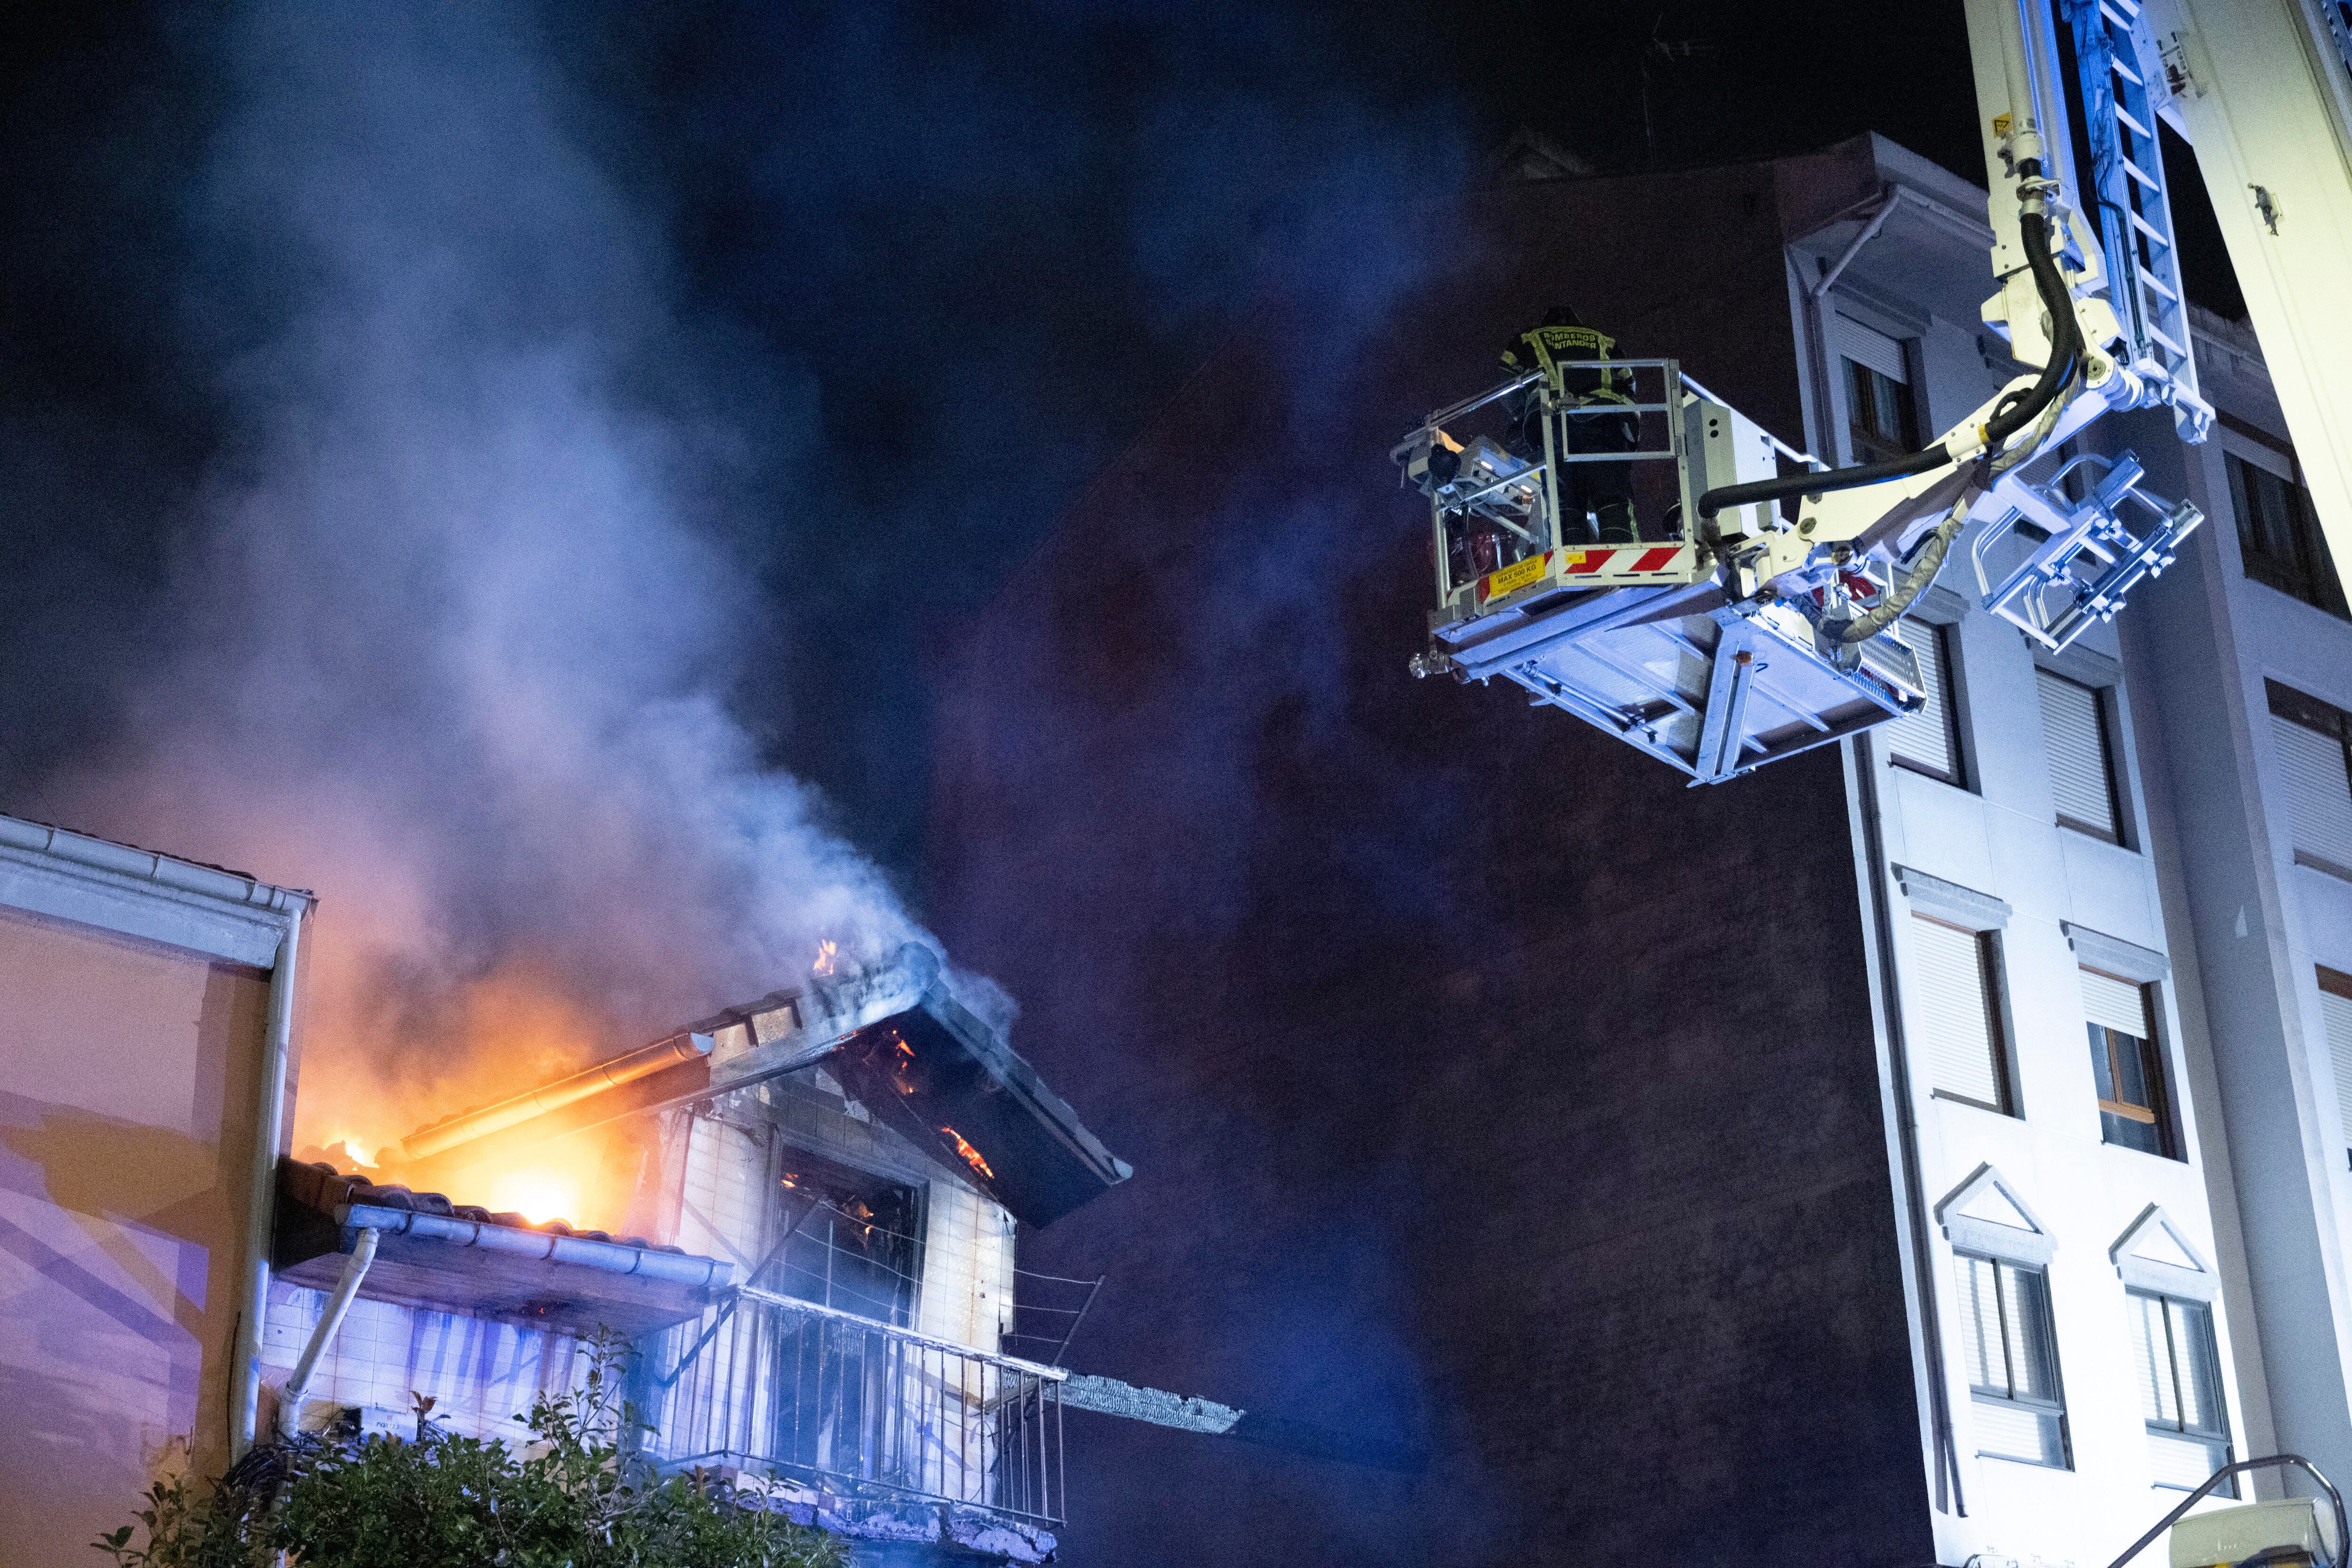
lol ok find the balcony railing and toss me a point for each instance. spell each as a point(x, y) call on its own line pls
point(856, 1408)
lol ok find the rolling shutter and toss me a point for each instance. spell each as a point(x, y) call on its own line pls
point(1958, 1040)
point(2117, 1004)
point(1869, 346)
point(2077, 740)
point(2320, 796)
point(1925, 736)
point(2335, 1017)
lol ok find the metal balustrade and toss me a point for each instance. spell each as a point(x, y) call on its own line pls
point(792, 1391)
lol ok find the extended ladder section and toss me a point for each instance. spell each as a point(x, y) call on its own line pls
point(2120, 82)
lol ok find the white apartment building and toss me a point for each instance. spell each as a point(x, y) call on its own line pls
point(2110, 894)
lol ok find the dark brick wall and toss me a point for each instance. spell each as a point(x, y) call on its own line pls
point(1484, 1085)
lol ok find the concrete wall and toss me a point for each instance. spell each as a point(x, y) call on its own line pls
point(128, 1088)
point(1484, 1085)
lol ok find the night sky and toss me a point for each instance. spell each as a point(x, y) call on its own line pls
point(979, 245)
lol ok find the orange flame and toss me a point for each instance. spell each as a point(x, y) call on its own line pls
point(538, 1193)
point(352, 1150)
point(828, 958)
point(972, 1156)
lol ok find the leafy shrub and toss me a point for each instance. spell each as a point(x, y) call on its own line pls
point(569, 1501)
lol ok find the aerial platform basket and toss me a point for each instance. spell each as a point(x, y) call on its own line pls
point(1615, 612)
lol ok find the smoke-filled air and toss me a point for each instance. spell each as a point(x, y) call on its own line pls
point(449, 636)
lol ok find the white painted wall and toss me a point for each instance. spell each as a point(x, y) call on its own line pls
point(481, 1376)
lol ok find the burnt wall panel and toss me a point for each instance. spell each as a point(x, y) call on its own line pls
point(1485, 1088)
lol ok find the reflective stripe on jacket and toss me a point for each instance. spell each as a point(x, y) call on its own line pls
point(1554, 350)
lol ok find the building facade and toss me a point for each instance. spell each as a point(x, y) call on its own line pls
point(2079, 1101)
point(2043, 1015)
point(144, 1012)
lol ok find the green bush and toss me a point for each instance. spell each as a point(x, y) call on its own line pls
point(569, 1501)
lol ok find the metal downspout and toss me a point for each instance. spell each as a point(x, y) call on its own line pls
point(1914, 1205)
point(331, 1318)
point(261, 1202)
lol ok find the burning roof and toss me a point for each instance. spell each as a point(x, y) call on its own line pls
point(894, 1037)
point(950, 1085)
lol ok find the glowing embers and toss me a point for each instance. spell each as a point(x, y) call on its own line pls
point(972, 1156)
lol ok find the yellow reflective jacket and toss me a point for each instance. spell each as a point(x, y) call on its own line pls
point(1555, 351)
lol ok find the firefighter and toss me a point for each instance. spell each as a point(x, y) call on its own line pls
point(1596, 499)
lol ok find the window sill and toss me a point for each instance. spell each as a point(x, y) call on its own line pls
point(1948, 1098)
point(2095, 834)
point(2144, 1153)
point(2295, 597)
point(2320, 864)
point(2029, 1464)
point(1921, 770)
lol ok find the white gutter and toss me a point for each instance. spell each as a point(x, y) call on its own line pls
point(642, 1062)
point(331, 1318)
point(261, 1198)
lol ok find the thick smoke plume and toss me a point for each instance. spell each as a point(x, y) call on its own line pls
point(451, 637)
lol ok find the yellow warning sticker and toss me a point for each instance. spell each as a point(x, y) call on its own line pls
point(1513, 578)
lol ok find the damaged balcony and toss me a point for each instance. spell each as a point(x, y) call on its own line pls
point(826, 1182)
point(862, 1428)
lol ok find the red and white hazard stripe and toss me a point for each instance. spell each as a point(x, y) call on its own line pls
point(1625, 561)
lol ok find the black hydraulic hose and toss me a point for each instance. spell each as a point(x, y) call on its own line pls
point(2065, 353)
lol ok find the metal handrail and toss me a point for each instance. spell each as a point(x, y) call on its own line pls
point(912, 1336)
point(2224, 1473)
point(1471, 405)
point(849, 1403)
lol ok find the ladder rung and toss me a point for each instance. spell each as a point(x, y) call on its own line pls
point(2125, 71)
point(2178, 351)
point(2150, 230)
point(2122, 13)
point(2149, 279)
point(2136, 173)
point(2144, 132)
